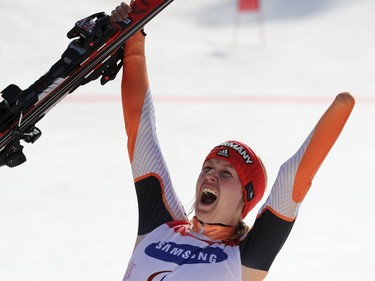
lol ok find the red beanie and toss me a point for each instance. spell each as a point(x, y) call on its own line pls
point(249, 168)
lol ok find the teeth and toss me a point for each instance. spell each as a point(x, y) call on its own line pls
point(208, 196)
point(209, 190)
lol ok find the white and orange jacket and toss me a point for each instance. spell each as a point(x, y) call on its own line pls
point(166, 248)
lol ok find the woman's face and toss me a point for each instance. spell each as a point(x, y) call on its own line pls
point(218, 197)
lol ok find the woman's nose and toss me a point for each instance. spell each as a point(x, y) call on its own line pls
point(211, 175)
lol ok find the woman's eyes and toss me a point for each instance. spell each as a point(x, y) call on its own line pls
point(225, 173)
point(206, 168)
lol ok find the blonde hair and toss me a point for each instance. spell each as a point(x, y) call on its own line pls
point(241, 230)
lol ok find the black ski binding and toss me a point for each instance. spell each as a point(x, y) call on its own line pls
point(12, 155)
point(95, 51)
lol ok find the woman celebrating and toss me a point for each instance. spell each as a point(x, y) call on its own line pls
point(215, 244)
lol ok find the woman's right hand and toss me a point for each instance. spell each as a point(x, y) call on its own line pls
point(120, 13)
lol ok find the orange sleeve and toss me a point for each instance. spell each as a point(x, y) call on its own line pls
point(157, 200)
point(276, 217)
point(323, 138)
point(296, 174)
point(134, 86)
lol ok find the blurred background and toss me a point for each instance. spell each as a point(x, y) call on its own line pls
point(263, 76)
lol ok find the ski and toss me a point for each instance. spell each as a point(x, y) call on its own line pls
point(95, 51)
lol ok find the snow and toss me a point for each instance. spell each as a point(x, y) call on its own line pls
point(70, 212)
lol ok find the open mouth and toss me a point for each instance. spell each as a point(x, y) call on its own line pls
point(208, 196)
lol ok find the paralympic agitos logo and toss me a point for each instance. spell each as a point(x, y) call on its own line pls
point(184, 253)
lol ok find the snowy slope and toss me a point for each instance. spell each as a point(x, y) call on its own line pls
point(69, 212)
